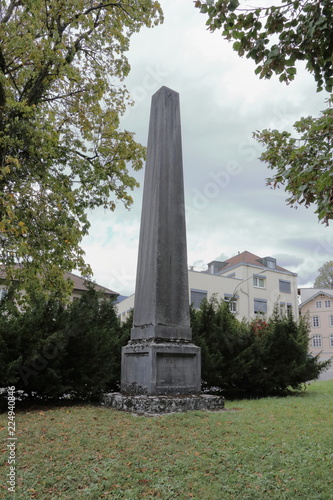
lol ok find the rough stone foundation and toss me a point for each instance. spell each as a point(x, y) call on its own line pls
point(157, 405)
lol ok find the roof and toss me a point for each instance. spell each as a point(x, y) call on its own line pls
point(316, 292)
point(120, 298)
point(249, 259)
point(80, 284)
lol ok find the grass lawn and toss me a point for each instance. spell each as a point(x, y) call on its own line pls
point(274, 448)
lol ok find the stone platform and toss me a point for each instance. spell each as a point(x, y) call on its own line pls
point(157, 405)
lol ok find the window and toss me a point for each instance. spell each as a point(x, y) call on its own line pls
point(318, 304)
point(327, 303)
point(284, 286)
point(331, 340)
point(232, 301)
point(3, 293)
point(259, 281)
point(289, 310)
point(330, 320)
point(197, 296)
point(260, 306)
point(269, 262)
point(316, 341)
point(315, 321)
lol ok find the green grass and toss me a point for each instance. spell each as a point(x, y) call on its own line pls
point(274, 448)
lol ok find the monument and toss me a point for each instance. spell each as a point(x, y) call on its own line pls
point(161, 367)
point(160, 358)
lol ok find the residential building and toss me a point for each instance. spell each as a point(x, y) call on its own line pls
point(125, 306)
point(79, 287)
point(251, 284)
point(317, 304)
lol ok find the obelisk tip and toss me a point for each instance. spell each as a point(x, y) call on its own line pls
point(165, 90)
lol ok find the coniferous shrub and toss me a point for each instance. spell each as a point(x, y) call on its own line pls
point(33, 346)
point(252, 359)
point(286, 354)
point(223, 341)
point(93, 355)
point(48, 350)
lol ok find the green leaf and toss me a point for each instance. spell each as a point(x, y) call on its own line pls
point(233, 5)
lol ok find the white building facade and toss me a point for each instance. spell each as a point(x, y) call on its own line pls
point(251, 284)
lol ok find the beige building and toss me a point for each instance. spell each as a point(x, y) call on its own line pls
point(252, 285)
point(318, 305)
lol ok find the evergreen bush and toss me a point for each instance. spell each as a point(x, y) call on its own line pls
point(93, 355)
point(48, 350)
point(252, 359)
point(33, 346)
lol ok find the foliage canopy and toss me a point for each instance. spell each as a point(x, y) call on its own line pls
point(61, 149)
point(325, 276)
point(277, 37)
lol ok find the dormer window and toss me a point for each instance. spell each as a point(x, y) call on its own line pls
point(215, 266)
point(269, 262)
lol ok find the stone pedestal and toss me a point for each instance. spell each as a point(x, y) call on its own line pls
point(160, 368)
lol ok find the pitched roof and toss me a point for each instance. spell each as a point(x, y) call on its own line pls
point(80, 284)
point(250, 259)
point(309, 293)
point(317, 293)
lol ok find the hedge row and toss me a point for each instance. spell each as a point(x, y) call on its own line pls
point(49, 351)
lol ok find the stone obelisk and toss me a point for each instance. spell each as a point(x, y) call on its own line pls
point(160, 357)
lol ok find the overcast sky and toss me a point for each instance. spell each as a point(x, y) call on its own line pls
point(229, 208)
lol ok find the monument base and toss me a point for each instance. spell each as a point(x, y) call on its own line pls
point(161, 368)
point(158, 405)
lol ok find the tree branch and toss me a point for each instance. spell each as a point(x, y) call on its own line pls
point(62, 96)
point(10, 10)
point(86, 157)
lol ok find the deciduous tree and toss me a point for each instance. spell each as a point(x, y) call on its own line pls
point(277, 37)
point(62, 151)
point(325, 276)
